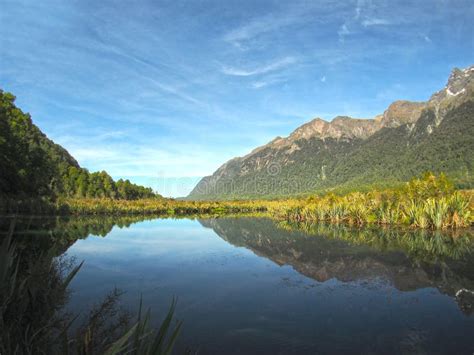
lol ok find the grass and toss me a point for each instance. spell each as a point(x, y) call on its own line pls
point(422, 203)
point(429, 202)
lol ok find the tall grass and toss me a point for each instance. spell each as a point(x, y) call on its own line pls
point(428, 202)
point(424, 203)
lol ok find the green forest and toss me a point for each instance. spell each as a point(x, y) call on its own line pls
point(32, 165)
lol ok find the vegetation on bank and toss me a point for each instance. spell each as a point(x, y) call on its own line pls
point(428, 202)
point(165, 207)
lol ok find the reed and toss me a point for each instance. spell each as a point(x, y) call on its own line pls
point(437, 212)
point(460, 213)
point(33, 292)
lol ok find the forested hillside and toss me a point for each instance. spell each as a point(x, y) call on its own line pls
point(408, 139)
point(32, 165)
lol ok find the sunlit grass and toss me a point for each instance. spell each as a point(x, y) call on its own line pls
point(429, 202)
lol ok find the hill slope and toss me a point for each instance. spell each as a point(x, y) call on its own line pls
point(407, 139)
point(32, 165)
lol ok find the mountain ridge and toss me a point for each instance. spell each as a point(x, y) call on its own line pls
point(325, 145)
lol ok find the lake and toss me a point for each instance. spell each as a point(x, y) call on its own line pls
point(253, 285)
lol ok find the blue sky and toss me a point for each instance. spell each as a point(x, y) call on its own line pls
point(164, 92)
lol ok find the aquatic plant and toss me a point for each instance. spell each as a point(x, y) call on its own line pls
point(416, 214)
point(33, 292)
point(437, 211)
point(459, 210)
point(358, 213)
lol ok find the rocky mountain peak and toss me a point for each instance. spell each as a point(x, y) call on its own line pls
point(459, 89)
point(310, 129)
point(339, 127)
point(460, 83)
point(458, 80)
point(401, 112)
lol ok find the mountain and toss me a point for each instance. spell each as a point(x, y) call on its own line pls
point(408, 139)
point(33, 166)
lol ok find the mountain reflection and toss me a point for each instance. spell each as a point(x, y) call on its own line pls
point(409, 260)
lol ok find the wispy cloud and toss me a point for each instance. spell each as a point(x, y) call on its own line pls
point(364, 15)
point(296, 13)
point(257, 27)
point(375, 22)
point(269, 67)
point(271, 80)
point(266, 24)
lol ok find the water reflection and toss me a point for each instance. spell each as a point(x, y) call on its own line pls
point(248, 285)
point(408, 259)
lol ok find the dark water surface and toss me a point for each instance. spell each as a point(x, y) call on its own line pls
point(252, 285)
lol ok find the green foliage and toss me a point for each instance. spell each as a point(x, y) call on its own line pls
point(443, 208)
point(79, 183)
point(428, 186)
point(162, 207)
point(459, 210)
point(416, 214)
point(24, 165)
point(426, 202)
point(160, 342)
point(33, 166)
point(437, 212)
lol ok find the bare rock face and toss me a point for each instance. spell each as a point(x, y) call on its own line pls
point(339, 127)
point(459, 89)
point(459, 84)
point(458, 81)
point(402, 112)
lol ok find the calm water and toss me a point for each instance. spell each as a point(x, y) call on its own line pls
point(251, 285)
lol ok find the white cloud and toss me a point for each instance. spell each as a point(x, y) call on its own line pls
point(260, 84)
point(279, 64)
